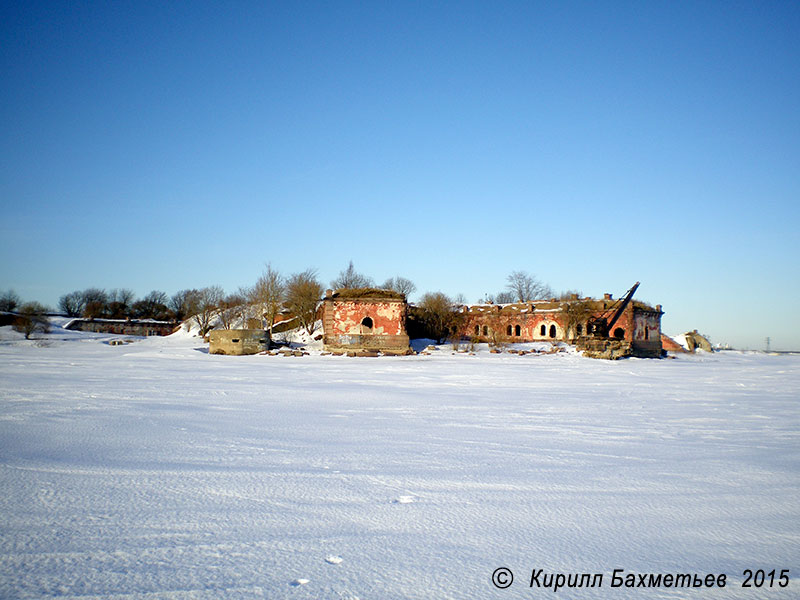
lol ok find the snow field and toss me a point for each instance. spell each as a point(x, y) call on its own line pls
point(155, 470)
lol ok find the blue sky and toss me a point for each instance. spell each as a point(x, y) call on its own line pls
point(173, 145)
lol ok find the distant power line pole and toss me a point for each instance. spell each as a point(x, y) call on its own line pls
point(767, 340)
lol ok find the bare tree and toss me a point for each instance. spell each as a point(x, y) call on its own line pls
point(31, 319)
point(230, 310)
point(247, 311)
point(268, 295)
point(208, 300)
point(119, 303)
point(122, 295)
point(525, 287)
point(504, 298)
point(350, 278)
point(71, 304)
point(95, 302)
point(183, 304)
point(303, 291)
point(9, 301)
point(440, 316)
point(400, 284)
point(153, 306)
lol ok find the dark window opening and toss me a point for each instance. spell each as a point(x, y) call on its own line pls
point(516, 330)
point(508, 330)
point(579, 329)
point(367, 322)
point(485, 330)
point(543, 330)
point(552, 331)
point(646, 334)
point(477, 329)
point(619, 333)
point(235, 341)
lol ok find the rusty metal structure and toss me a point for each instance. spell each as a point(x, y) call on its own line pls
point(600, 326)
point(603, 341)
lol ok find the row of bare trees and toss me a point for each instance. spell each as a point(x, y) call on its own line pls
point(299, 293)
point(273, 293)
point(350, 278)
point(202, 304)
point(115, 304)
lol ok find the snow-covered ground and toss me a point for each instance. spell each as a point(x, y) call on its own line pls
point(154, 470)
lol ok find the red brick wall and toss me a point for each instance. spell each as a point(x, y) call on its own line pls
point(343, 329)
point(634, 322)
point(345, 317)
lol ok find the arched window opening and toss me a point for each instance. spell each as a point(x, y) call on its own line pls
point(485, 330)
point(517, 330)
point(646, 333)
point(508, 331)
point(552, 331)
point(477, 329)
point(543, 330)
point(579, 329)
point(619, 333)
point(366, 323)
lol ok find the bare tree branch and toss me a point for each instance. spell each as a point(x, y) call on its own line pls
point(350, 278)
point(525, 287)
point(303, 292)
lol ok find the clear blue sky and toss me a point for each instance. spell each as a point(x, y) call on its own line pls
point(166, 145)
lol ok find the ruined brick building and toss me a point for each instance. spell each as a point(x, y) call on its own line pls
point(371, 320)
point(562, 320)
point(365, 320)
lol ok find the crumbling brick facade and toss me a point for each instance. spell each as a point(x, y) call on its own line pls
point(671, 345)
point(363, 321)
point(562, 320)
point(368, 320)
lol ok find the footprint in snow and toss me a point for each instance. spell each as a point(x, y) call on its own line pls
point(299, 582)
point(333, 560)
point(404, 500)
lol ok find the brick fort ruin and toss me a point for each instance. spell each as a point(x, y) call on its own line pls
point(368, 320)
point(365, 321)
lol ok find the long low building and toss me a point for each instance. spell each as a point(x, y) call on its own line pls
point(142, 327)
point(563, 320)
